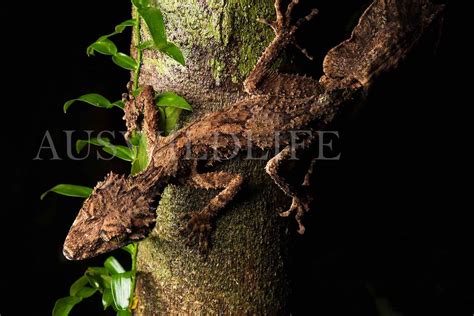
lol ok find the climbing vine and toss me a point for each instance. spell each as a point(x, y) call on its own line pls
point(115, 284)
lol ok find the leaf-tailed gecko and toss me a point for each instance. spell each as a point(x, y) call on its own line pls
point(119, 211)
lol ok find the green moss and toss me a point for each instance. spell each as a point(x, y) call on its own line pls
point(158, 64)
point(201, 22)
point(217, 68)
point(253, 36)
point(213, 24)
point(234, 79)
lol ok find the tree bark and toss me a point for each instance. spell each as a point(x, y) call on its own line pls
point(245, 271)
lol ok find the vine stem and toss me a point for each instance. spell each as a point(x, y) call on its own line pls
point(139, 51)
point(134, 272)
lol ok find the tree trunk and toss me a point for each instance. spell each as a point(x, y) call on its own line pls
point(244, 272)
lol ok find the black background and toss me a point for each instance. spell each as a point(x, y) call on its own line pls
point(392, 214)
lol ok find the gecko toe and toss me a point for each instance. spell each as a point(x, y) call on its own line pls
point(198, 231)
point(299, 208)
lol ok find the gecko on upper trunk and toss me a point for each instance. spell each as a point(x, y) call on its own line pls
point(119, 210)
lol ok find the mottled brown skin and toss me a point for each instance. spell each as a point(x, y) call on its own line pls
point(119, 211)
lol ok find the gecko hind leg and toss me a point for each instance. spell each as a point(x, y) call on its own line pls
point(300, 193)
point(201, 224)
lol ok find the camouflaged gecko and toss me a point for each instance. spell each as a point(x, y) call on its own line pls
point(120, 211)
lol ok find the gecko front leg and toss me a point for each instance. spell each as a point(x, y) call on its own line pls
point(263, 79)
point(200, 225)
point(141, 115)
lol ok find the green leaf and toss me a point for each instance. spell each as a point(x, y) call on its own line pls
point(86, 292)
point(119, 104)
point(125, 312)
point(122, 290)
point(64, 305)
point(121, 152)
point(146, 45)
point(136, 92)
point(156, 25)
point(93, 99)
point(171, 99)
point(141, 155)
point(169, 118)
point(130, 248)
point(124, 61)
point(122, 26)
point(78, 285)
point(107, 299)
point(170, 106)
point(69, 190)
point(141, 3)
point(174, 52)
point(103, 46)
point(135, 139)
point(98, 277)
point(81, 143)
point(113, 266)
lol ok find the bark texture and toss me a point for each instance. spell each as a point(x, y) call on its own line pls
point(244, 272)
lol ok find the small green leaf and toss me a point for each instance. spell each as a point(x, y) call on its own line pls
point(135, 139)
point(141, 3)
point(122, 26)
point(121, 152)
point(78, 285)
point(156, 25)
point(124, 61)
point(86, 292)
point(107, 299)
point(146, 45)
point(130, 248)
point(169, 118)
point(98, 277)
point(122, 290)
point(125, 312)
point(113, 266)
point(103, 46)
point(118, 151)
point(170, 106)
point(171, 99)
point(93, 99)
point(81, 143)
point(119, 104)
point(174, 52)
point(136, 92)
point(141, 155)
point(64, 305)
point(70, 190)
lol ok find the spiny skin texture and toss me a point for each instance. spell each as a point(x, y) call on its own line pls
point(119, 211)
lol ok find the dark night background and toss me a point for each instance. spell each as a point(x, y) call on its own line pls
point(391, 222)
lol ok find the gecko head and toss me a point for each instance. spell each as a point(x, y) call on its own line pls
point(118, 212)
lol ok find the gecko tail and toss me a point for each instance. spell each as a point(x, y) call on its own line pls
point(385, 34)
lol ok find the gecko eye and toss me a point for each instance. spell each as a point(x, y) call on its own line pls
point(90, 219)
point(105, 236)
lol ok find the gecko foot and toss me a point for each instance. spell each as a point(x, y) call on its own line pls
point(283, 25)
point(198, 229)
point(299, 207)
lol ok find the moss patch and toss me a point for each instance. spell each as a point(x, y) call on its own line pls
point(214, 24)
